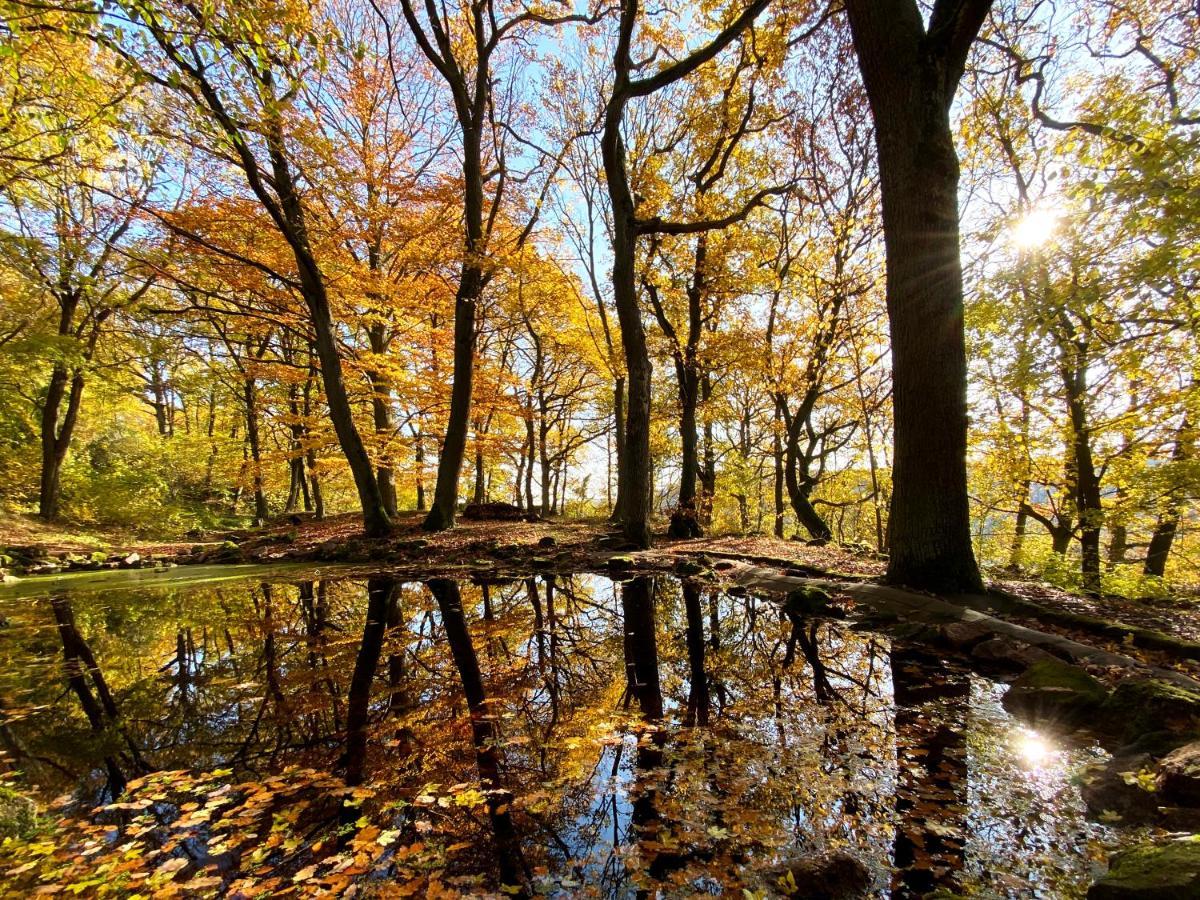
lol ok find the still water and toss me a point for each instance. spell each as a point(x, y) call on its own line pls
point(561, 735)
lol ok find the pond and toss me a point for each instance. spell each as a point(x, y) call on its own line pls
point(562, 735)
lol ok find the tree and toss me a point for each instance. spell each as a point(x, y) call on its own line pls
point(634, 474)
point(911, 72)
point(237, 72)
point(69, 240)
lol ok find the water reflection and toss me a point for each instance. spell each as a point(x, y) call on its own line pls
point(555, 734)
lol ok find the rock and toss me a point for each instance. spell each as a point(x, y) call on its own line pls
point(1008, 653)
point(548, 541)
point(689, 567)
point(1143, 705)
point(723, 565)
point(616, 542)
point(412, 545)
point(1168, 871)
point(1055, 693)
point(1112, 791)
point(837, 875)
point(1178, 777)
point(541, 562)
point(965, 635)
point(916, 632)
point(620, 563)
point(132, 561)
point(810, 601)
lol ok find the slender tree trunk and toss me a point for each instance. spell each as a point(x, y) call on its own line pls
point(250, 398)
point(633, 481)
point(618, 507)
point(381, 411)
point(470, 288)
point(420, 464)
point(1167, 528)
point(777, 448)
point(1018, 541)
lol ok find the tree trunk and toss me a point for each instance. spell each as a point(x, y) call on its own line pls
point(470, 288)
point(1168, 524)
point(777, 448)
point(911, 77)
point(633, 480)
point(250, 398)
point(420, 463)
point(618, 507)
point(381, 411)
point(1018, 542)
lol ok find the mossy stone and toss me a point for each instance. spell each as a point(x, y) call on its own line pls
point(1055, 693)
point(1152, 872)
point(1143, 705)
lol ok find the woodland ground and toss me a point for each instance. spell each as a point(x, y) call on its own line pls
point(1159, 631)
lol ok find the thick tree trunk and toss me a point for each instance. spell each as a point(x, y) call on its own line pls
point(685, 521)
point(911, 77)
point(56, 435)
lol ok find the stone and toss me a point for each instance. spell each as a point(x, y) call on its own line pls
point(620, 563)
point(965, 635)
point(1144, 705)
point(1009, 653)
point(810, 601)
point(689, 567)
point(1169, 871)
point(412, 545)
point(1055, 693)
point(723, 566)
point(548, 541)
point(836, 875)
point(132, 561)
point(1178, 776)
point(1110, 792)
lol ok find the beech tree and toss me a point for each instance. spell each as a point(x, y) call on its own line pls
point(911, 72)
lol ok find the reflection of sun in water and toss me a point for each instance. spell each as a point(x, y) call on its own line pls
point(1035, 751)
point(1034, 229)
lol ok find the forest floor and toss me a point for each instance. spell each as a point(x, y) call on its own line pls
point(1162, 632)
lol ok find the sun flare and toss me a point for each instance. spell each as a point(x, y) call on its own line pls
point(1035, 228)
point(1033, 749)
